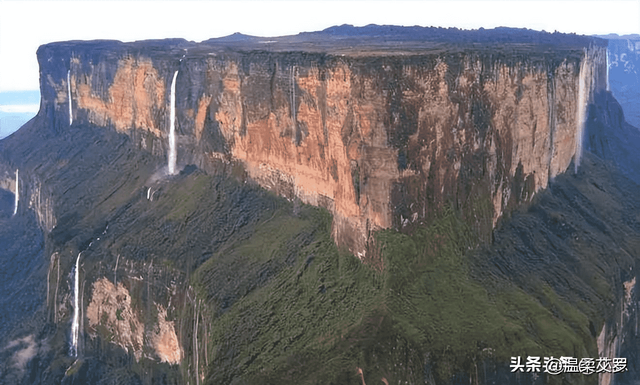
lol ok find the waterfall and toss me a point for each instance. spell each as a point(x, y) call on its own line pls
point(69, 95)
point(172, 129)
point(115, 272)
point(608, 86)
point(581, 108)
point(17, 195)
point(76, 309)
point(195, 342)
point(293, 97)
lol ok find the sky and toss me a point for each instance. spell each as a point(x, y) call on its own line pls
point(26, 24)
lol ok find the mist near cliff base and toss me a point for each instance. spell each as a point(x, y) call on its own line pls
point(24, 349)
point(22, 287)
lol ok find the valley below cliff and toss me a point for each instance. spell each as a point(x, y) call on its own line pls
point(376, 204)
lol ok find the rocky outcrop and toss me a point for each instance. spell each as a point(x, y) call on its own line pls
point(381, 140)
point(619, 335)
point(110, 313)
point(110, 308)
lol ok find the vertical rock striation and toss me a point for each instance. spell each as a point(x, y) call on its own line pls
point(380, 139)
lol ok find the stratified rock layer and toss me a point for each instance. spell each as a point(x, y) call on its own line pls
point(380, 139)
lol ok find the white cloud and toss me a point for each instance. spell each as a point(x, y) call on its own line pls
point(19, 108)
point(28, 348)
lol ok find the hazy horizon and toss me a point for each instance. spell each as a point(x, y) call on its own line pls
point(17, 108)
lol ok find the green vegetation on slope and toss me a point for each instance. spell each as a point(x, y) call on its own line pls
point(287, 330)
point(326, 314)
point(271, 299)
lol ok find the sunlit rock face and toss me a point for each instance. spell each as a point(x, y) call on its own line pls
point(385, 135)
point(111, 315)
point(381, 139)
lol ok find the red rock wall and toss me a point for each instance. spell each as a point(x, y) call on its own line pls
point(379, 141)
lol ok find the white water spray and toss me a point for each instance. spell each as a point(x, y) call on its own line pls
point(172, 129)
point(17, 195)
point(608, 87)
point(293, 97)
point(75, 326)
point(69, 95)
point(115, 272)
point(581, 108)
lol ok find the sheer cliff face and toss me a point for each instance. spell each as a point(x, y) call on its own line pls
point(381, 141)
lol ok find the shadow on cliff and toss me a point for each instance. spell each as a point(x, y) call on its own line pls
point(610, 137)
point(130, 226)
point(259, 293)
point(576, 247)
